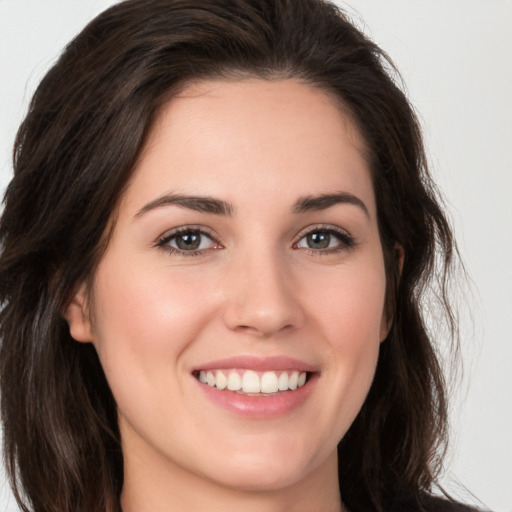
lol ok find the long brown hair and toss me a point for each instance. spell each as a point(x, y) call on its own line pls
point(74, 155)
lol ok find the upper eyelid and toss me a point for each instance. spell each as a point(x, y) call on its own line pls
point(168, 234)
point(321, 227)
point(346, 239)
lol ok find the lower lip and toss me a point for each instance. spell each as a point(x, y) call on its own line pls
point(265, 406)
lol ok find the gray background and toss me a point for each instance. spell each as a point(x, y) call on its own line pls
point(456, 59)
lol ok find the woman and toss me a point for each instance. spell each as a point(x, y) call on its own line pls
point(215, 248)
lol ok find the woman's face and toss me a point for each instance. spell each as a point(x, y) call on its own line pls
point(245, 254)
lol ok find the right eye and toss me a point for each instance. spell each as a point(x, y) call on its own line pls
point(188, 241)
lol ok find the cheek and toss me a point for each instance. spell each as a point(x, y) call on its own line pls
point(351, 306)
point(144, 317)
point(350, 317)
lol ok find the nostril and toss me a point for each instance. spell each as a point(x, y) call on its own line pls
point(260, 331)
point(262, 308)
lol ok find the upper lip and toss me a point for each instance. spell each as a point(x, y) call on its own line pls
point(257, 363)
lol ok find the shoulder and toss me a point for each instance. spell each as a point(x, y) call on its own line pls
point(430, 503)
point(426, 503)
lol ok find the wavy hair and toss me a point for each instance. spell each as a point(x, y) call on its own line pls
point(74, 154)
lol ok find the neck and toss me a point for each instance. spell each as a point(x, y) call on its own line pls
point(160, 486)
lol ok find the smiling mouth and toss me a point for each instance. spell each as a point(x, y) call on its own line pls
point(250, 382)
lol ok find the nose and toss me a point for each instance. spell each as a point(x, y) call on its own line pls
point(262, 298)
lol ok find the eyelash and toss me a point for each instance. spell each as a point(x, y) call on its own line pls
point(164, 242)
point(346, 241)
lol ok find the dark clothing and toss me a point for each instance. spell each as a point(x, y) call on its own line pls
point(428, 504)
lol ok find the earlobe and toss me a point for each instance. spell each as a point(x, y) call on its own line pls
point(389, 309)
point(400, 254)
point(385, 327)
point(78, 318)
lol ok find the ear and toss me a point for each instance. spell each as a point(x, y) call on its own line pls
point(400, 255)
point(389, 308)
point(78, 318)
point(385, 325)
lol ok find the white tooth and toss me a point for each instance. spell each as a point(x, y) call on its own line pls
point(202, 376)
point(210, 379)
point(234, 381)
point(292, 381)
point(302, 379)
point(269, 383)
point(251, 382)
point(220, 380)
point(283, 382)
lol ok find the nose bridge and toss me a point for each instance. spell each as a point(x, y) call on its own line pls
point(262, 298)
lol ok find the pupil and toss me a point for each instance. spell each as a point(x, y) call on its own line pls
point(188, 241)
point(318, 240)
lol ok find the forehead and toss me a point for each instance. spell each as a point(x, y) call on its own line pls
point(227, 137)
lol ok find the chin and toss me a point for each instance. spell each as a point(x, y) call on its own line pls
point(260, 479)
point(266, 469)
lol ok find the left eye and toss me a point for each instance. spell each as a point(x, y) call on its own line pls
point(189, 240)
point(324, 239)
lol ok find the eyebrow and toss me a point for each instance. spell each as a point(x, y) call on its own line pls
point(205, 204)
point(324, 201)
point(202, 204)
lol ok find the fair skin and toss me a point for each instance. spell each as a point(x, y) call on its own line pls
point(264, 278)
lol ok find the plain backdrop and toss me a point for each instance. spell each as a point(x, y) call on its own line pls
point(456, 59)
